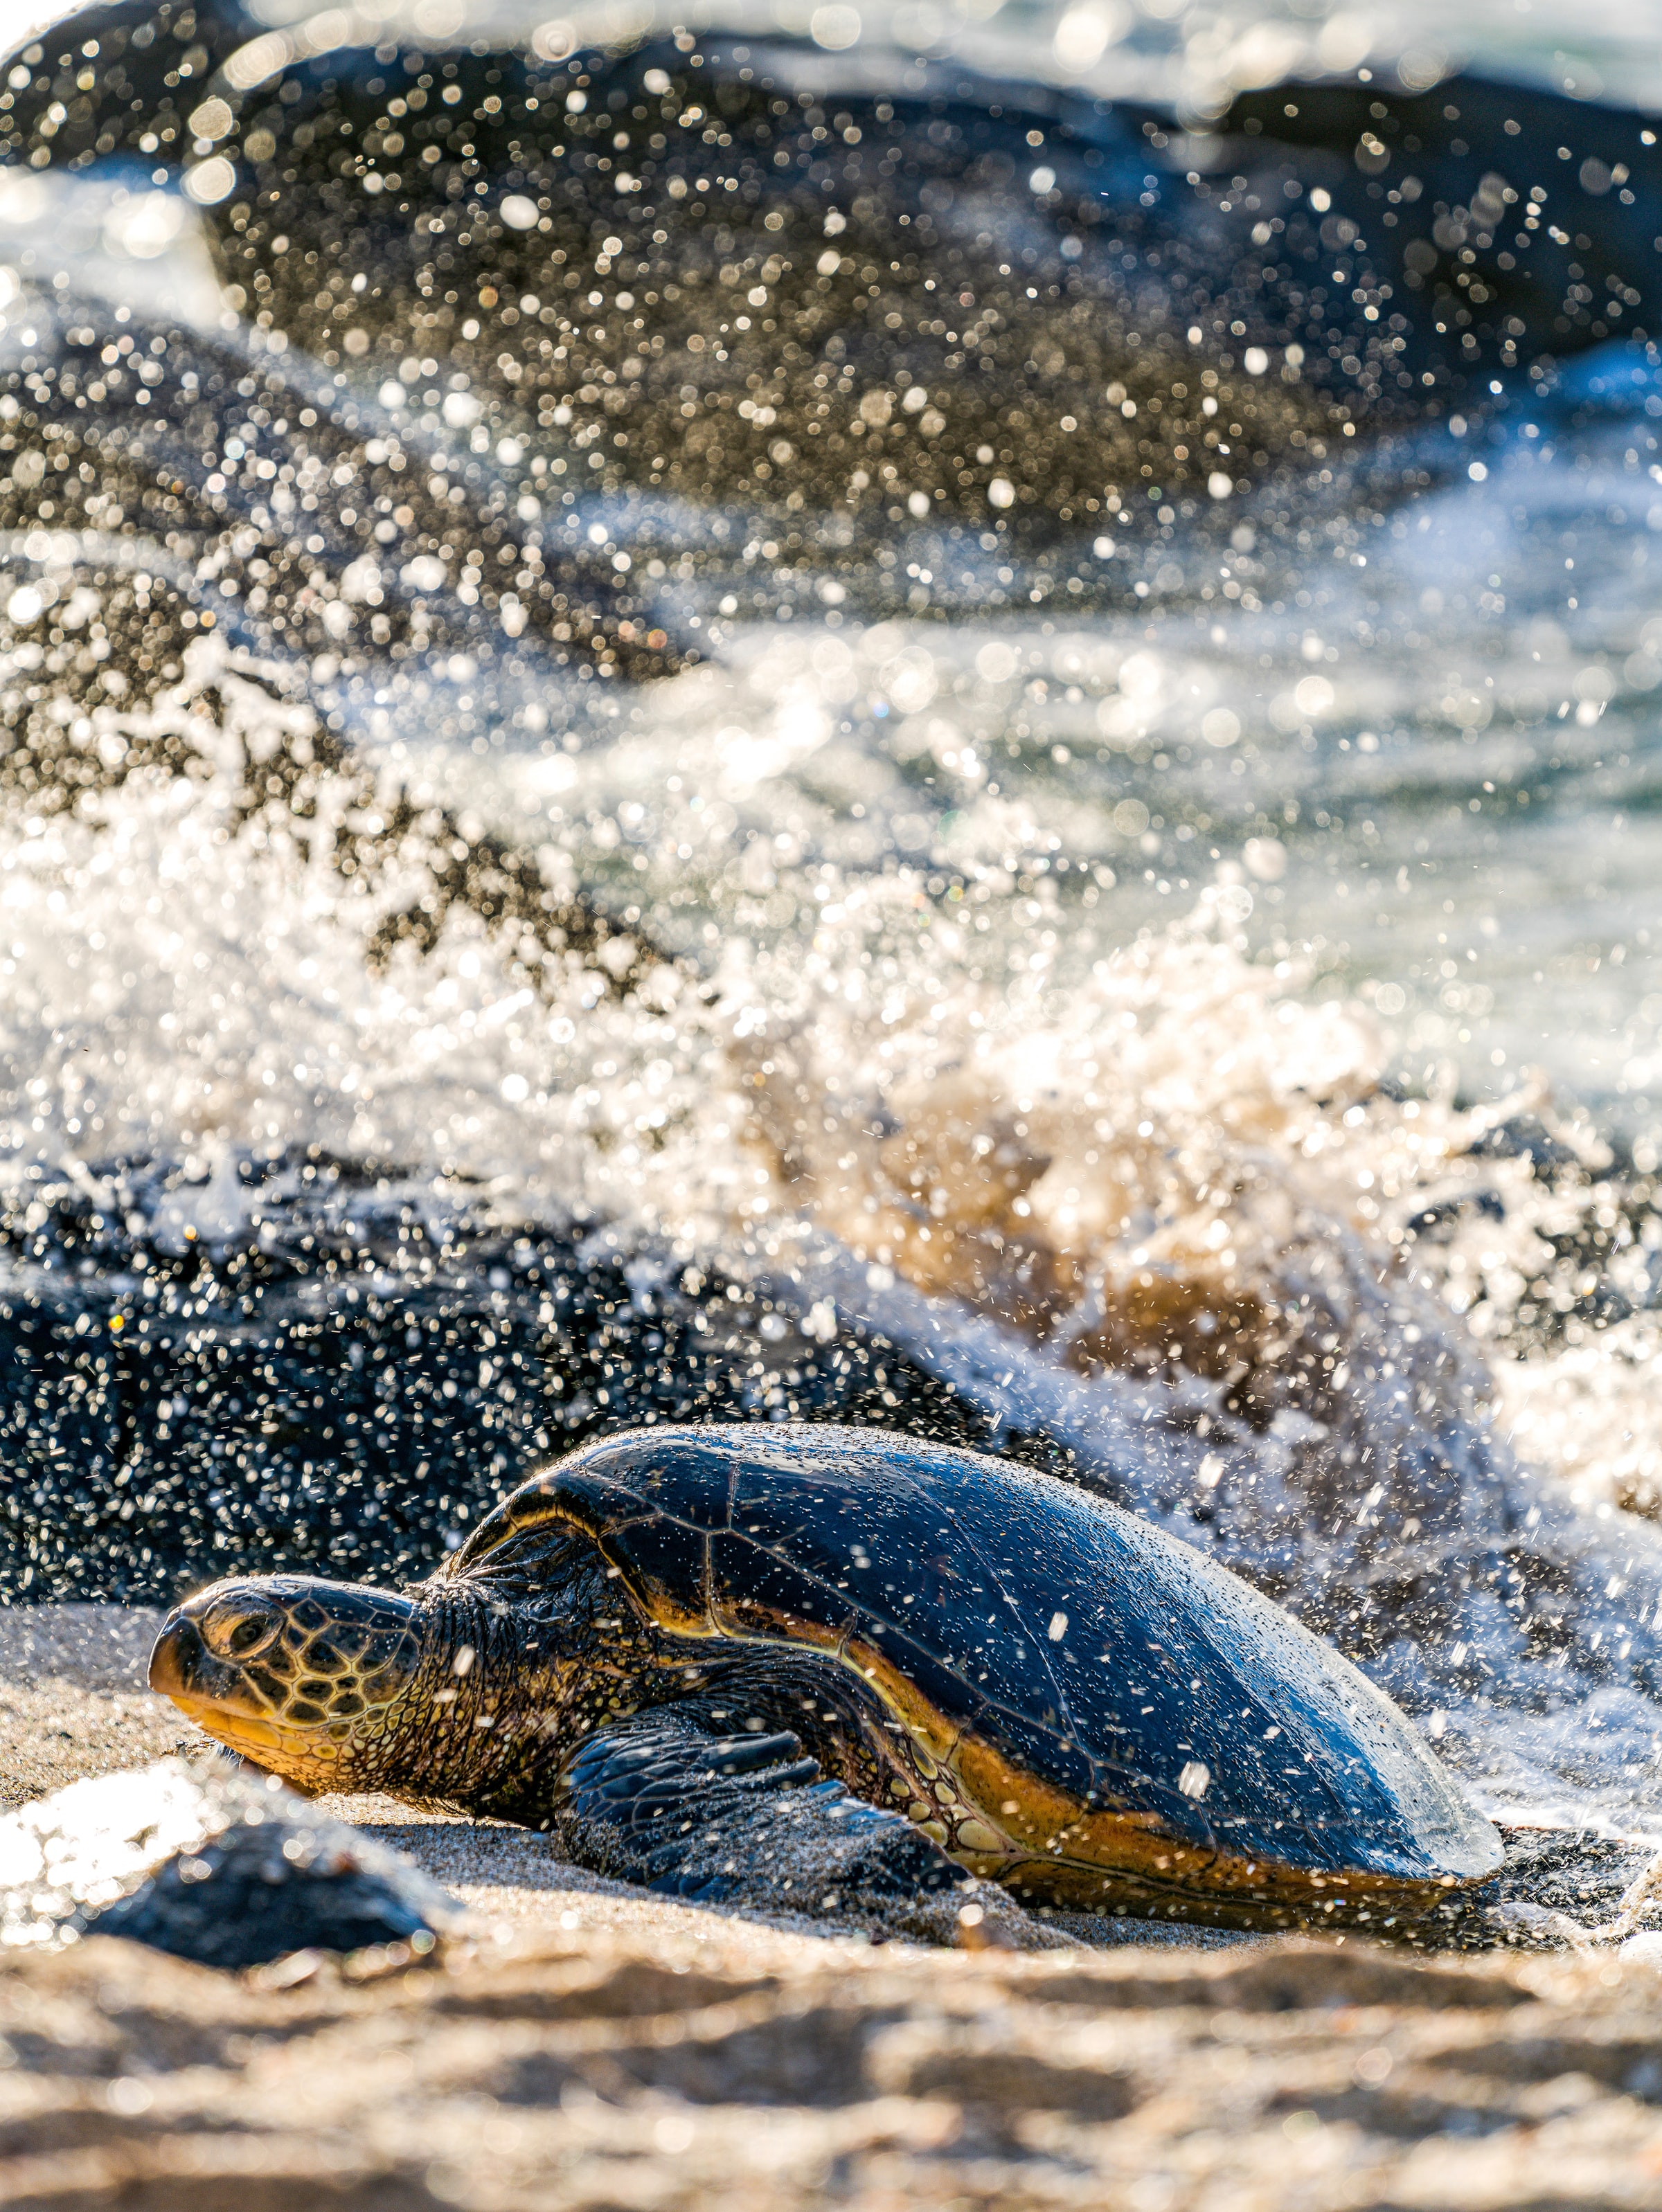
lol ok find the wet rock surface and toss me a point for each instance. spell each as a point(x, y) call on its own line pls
point(323, 1379)
point(207, 1863)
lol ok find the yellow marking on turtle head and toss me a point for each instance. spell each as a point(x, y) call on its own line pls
point(302, 1677)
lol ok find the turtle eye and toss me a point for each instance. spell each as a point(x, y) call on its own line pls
point(237, 1628)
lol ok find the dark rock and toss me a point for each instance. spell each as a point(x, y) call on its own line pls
point(196, 1858)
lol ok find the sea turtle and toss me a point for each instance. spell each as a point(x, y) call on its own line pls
point(824, 1667)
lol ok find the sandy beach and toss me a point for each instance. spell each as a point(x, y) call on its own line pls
point(585, 2046)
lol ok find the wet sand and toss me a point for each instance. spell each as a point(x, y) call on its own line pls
point(589, 2046)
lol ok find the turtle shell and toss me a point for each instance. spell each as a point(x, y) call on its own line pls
point(1117, 1718)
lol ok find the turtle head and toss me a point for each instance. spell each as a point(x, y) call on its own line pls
point(312, 1679)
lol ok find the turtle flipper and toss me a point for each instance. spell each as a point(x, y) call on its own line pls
point(663, 1799)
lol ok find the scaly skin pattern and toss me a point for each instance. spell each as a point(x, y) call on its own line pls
point(474, 1697)
point(338, 1687)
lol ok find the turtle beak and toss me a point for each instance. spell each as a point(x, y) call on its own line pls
point(182, 1668)
point(177, 1654)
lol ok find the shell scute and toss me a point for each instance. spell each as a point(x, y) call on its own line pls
point(898, 1555)
point(1159, 1658)
point(666, 1563)
point(825, 1523)
point(926, 1690)
point(686, 1472)
point(509, 1540)
point(816, 1496)
point(599, 1490)
point(755, 1593)
point(1033, 1740)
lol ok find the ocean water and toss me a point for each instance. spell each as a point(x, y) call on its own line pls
point(1168, 984)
